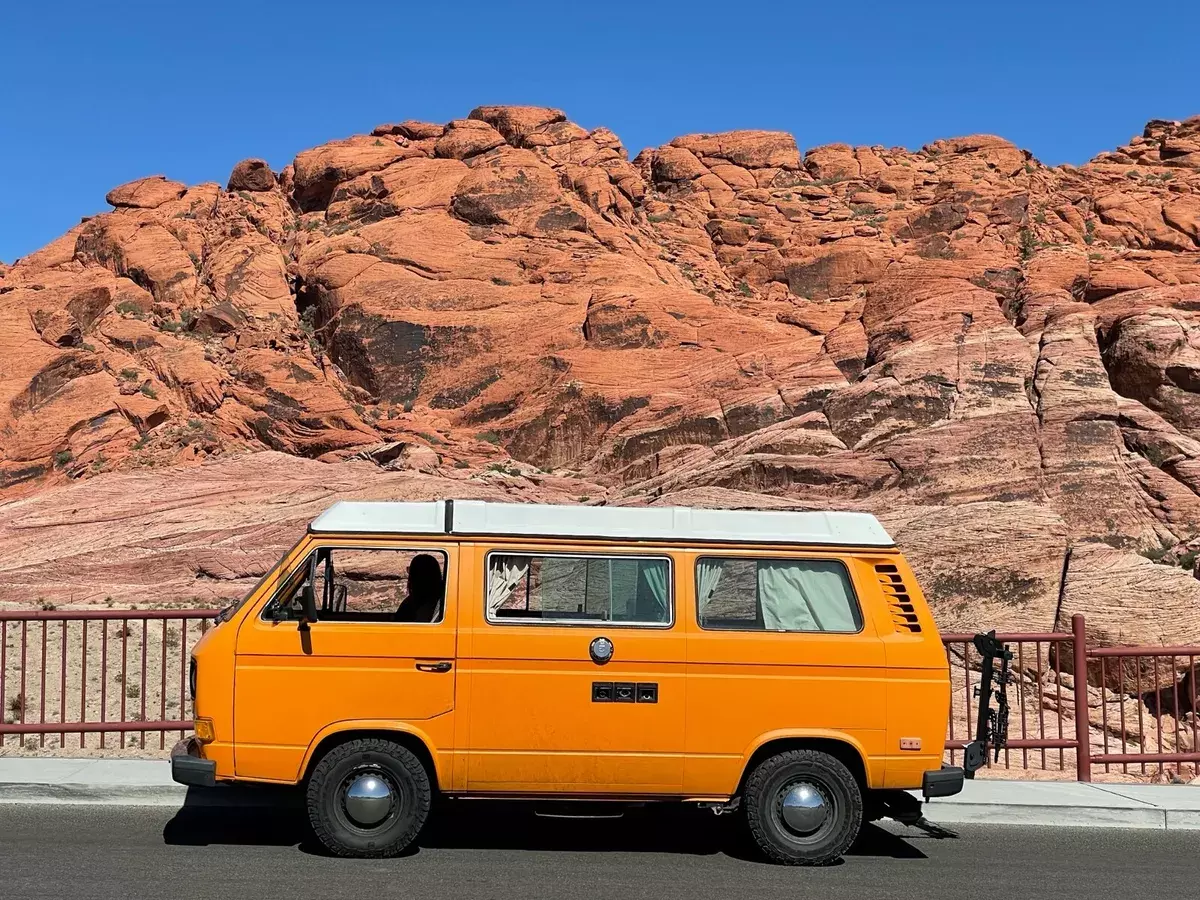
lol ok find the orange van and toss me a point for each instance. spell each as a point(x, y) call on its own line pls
point(782, 665)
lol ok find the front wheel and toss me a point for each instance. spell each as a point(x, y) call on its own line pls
point(803, 807)
point(368, 798)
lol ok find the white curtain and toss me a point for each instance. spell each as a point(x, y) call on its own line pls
point(708, 576)
point(504, 574)
point(655, 574)
point(805, 596)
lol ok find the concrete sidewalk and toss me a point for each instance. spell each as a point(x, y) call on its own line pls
point(138, 782)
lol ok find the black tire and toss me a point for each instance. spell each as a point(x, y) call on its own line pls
point(388, 761)
point(770, 782)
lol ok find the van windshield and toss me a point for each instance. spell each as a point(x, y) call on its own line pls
point(227, 613)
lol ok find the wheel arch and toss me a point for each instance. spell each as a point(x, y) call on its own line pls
point(413, 739)
point(838, 745)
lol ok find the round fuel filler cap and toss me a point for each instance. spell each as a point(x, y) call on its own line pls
point(601, 650)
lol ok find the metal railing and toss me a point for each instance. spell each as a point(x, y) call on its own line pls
point(101, 674)
point(97, 674)
point(1130, 707)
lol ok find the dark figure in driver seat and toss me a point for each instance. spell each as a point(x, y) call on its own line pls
point(425, 590)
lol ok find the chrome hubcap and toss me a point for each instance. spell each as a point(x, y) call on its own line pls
point(368, 799)
point(803, 808)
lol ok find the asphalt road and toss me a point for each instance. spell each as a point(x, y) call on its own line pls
point(491, 851)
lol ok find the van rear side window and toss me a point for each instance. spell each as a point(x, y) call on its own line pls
point(566, 589)
point(806, 595)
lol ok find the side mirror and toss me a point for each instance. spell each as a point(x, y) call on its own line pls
point(308, 595)
point(308, 602)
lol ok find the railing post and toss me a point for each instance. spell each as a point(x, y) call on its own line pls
point(1083, 750)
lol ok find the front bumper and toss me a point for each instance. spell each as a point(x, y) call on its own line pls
point(944, 782)
point(188, 767)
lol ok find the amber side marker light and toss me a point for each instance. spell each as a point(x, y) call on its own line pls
point(204, 731)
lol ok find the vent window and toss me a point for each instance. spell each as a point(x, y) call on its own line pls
point(904, 613)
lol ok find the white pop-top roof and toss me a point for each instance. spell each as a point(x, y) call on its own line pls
point(647, 523)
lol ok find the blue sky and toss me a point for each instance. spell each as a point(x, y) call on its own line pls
point(95, 94)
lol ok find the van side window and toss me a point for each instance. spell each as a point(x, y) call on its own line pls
point(578, 589)
point(813, 595)
point(356, 585)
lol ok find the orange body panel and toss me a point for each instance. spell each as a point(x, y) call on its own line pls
point(532, 726)
point(746, 688)
point(514, 715)
point(293, 684)
point(918, 697)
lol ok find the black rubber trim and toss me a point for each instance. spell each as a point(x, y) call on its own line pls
point(188, 768)
point(945, 782)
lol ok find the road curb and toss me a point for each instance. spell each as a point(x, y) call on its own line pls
point(108, 782)
point(1183, 820)
point(266, 797)
point(1056, 816)
point(172, 795)
point(107, 795)
point(1066, 804)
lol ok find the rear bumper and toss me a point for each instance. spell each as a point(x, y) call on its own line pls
point(944, 782)
point(188, 767)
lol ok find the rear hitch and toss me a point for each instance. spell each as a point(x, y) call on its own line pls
point(903, 807)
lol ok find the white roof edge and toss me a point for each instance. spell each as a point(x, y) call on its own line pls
point(647, 523)
point(381, 517)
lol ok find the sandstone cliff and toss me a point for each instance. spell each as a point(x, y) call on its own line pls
point(999, 358)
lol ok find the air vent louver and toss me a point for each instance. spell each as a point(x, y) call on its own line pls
point(904, 614)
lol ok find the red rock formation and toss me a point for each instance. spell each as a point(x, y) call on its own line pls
point(998, 357)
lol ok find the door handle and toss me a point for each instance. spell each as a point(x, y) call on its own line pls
point(435, 666)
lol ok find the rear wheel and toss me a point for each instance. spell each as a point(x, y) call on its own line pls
point(368, 798)
point(804, 808)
